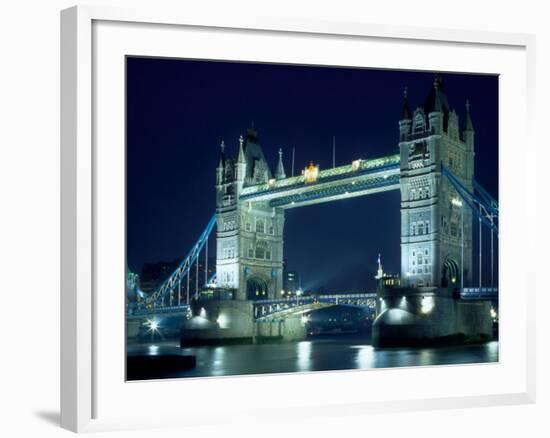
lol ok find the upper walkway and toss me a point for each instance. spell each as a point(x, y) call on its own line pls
point(358, 178)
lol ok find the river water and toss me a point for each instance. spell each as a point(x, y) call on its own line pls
point(341, 352)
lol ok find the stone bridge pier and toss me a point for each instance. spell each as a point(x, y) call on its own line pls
point(232, 321)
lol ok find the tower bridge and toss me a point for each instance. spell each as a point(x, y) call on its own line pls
point(434, 172)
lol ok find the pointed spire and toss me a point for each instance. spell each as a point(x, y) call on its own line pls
point(406, 112)
point(437, 100)
point(437, 96)
point(240, 158)
point(468, 125)
point(380, 271)
point(222, 154)
point(280, 171)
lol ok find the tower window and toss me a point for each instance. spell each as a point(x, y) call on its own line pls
point(421, 228)
point(260, 226)
point(419, 123)
point(427, 224)
point(262, 250)
point(413, 230)
point(247, 226)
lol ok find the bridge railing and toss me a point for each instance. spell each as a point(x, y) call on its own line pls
point(144, 311)
point(264, 308)
point(479, 293)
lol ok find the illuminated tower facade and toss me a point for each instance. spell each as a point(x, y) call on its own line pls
point(249, 235)
point(436, 229)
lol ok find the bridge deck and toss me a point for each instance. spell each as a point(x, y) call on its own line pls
point(356, 179)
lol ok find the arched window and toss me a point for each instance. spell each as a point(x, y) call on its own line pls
point(421, 228)
point(260, 226)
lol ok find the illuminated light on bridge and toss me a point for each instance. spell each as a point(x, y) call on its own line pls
point(154, 325)
point(311, 172)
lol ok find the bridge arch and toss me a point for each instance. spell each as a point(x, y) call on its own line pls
point(257, 287)
point(450, 273)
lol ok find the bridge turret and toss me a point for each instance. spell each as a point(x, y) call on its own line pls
point(405, 122)
point(280, 171)
point(221, 165)
point(468, 128)
point(257, 169)
point(240, 168)
point(437, 107)
point(468, 136)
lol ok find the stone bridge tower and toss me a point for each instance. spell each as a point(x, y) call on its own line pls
point(436, 229)
point(249, 235)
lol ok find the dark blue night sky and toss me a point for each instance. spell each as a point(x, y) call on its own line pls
point(179, 111)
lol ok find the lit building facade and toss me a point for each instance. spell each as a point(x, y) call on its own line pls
point(436, 229)
point(249, 235)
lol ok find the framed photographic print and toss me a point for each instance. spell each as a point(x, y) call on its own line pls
point(309, 208)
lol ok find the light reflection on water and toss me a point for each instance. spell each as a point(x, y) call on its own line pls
point(303, 351)
point(338, 353)
point(365, 356)
point(153, 350)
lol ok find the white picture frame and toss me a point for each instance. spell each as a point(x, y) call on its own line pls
point(86, 358)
